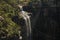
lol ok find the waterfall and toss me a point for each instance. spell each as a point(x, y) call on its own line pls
point(26, 17)
point(28, 25)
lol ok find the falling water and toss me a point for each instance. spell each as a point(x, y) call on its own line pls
point(26, 17)
point(28, 26)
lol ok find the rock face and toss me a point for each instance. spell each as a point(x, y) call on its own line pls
point(46, 26)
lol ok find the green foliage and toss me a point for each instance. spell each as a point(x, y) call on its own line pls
point(7, 12)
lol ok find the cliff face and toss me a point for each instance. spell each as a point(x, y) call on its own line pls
point(45, 21)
